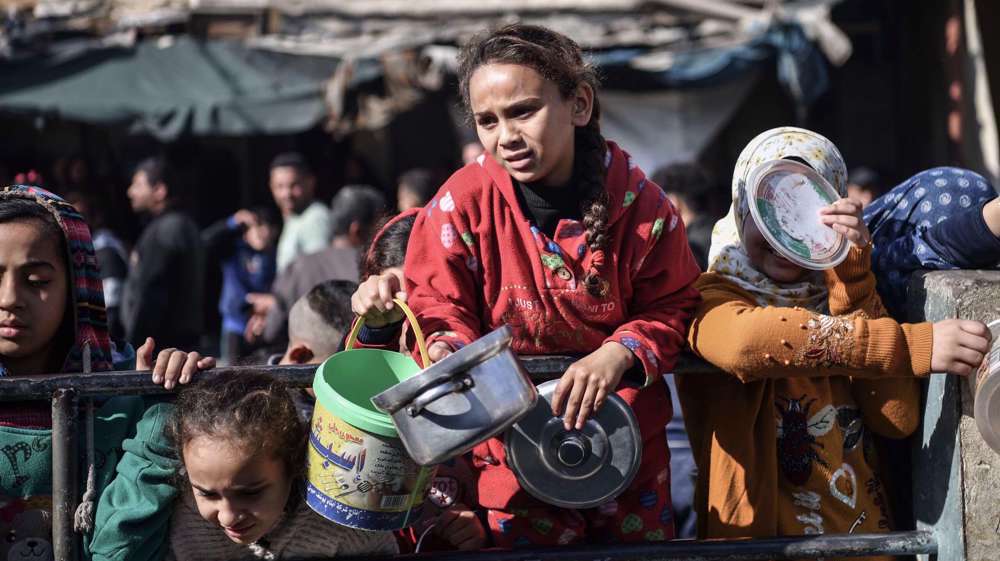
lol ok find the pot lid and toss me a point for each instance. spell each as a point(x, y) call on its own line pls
point(785, 197)
point(575, 469)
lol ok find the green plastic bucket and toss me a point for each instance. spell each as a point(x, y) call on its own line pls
point(359, 473)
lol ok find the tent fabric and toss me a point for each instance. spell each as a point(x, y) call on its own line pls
point(666, 126)
point(172, 86)
point(802, 69)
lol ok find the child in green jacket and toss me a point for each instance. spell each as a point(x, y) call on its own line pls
point(52, 319)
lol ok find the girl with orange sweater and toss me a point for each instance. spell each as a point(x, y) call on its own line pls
point(812, 365)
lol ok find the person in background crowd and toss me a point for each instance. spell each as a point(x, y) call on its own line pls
point(416, 187)
point(689, 188)
point(163, 294)
point(558, 234)
point(470, 151)
point(354, 210)
point(112, 257)
point(52, 320)
point(864, 185)
point(244, 245)
point(306, 228)
point(812, 369)
point(307, 223)
point(318, 322)
point(243, 449)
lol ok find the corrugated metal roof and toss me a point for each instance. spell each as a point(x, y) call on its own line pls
point(127, 12)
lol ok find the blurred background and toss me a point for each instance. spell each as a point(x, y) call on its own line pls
point(366, 89)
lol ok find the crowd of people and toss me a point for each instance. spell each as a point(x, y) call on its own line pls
point(550, 229)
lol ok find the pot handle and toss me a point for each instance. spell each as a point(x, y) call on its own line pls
point(437, 392)
point(418, 334)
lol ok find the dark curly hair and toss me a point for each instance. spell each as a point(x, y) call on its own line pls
point(388, 246)
point(253, 411)
point(559, 59)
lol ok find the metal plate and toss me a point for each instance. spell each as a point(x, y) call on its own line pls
point(785, 197)
point(575, 469)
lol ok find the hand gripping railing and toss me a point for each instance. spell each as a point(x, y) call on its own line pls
point(65, 391)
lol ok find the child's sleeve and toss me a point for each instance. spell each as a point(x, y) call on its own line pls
point(755, 342)
point(663, 298)
point(889, 406)
point(852, 285)
point(133, 513)
point(442, 263)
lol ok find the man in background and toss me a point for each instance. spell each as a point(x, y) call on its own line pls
point(355, 210)
point(163, 294)
point(306, 227)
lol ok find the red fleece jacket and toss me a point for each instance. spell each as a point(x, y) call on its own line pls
point(474, 262)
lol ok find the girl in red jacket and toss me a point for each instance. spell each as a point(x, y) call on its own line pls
point(556, 232)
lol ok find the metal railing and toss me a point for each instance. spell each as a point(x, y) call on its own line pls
point(66, 391)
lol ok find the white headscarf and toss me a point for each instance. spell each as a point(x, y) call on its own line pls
point(729, 258)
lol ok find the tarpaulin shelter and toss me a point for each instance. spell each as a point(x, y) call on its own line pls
point(171, 86)
point(674, 71)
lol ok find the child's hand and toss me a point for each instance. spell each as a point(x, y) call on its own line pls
point(261, 302)
point(437, 351)
point(255, 327)
point(845, 217)
point(587, 382)
point(373, 298)
point(959, 346)
point(461, 528)
point(244, 218)
point(172, 366)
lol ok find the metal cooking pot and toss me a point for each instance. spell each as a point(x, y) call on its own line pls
point(576, 468)
point(469, 396)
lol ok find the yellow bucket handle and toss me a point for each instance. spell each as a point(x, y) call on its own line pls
point(352, 338)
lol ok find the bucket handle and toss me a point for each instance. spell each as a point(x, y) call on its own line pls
point(352, 337)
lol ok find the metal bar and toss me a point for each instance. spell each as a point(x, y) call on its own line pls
point(799, 547)
point(20, 388)
point(64, 474)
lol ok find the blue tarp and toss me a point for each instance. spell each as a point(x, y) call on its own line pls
point(802, 69)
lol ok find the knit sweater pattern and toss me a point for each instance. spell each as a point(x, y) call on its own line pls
point(301, 535)
point(782, 437)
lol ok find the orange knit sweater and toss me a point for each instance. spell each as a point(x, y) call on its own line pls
point(780, 438)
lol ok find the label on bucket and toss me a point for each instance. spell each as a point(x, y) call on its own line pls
point(361, 480)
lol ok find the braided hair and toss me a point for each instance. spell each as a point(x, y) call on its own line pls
point(559, 59)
